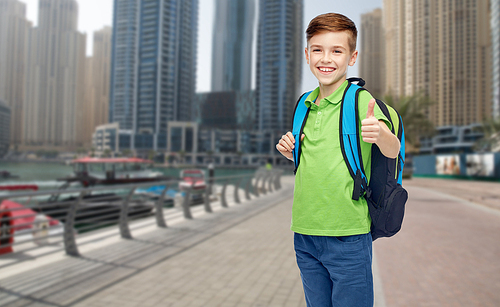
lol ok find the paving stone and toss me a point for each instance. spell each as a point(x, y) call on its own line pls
point(447, 253)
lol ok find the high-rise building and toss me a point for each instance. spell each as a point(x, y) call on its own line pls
point(371, 55)
point(280, 46)
point(97, 80)
point(85, 115)
point(442, 48)
point(153, 74)
point(394, 26)
point(232, 45)
point(226, 110)
point(13, 38)
point(495, 40)
point(5, 118)
point(55, 76)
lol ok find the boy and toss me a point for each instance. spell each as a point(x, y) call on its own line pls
point(332, 238)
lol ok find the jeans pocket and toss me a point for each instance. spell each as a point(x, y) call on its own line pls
point(351, 245)
point(350, 239)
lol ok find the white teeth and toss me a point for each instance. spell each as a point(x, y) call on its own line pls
point(325, 69)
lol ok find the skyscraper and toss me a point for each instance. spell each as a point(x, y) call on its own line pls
point(394, 26)
point(55, 75)
point(442, 48)
point(495, 40)
point(232, 45)
point(279, 61)
point(97, 81)
point(371, 55)
point(14, 29)
point(5, 117)
point(153, 73)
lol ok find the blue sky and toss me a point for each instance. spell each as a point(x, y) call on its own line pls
point(94, 14)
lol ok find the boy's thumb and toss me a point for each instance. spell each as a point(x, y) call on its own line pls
point(371, 106)
point(302, 137)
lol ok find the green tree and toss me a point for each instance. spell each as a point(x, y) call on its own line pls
point(106, 153)
point(171, 158)
point(151, 154)
point(126, 152)
point(182, 155)
point(491, 136)
point(81, 150)
point(416, 124)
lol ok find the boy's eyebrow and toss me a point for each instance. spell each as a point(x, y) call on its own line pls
point(334, 46)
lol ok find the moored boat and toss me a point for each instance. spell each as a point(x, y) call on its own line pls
point(107, 171)
point(7, 175)
point(19, 223)
point(193, 179)
point(106, 206)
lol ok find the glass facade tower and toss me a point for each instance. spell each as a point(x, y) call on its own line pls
point(232, 45)
point(495, 35)
point(279, 62)
point(153, 67)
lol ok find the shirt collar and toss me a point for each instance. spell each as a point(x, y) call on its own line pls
point(335, 97)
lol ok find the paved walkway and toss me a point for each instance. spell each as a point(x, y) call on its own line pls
point(241, 256)
point(448, 251)
point(486, 193)
point(447, 254)
point(248, 264)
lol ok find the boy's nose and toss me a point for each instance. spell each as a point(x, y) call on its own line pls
point(326, 58)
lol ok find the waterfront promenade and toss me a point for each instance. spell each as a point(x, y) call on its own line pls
point(447, 254)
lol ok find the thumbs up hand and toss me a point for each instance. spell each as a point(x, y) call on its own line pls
point(370, 127)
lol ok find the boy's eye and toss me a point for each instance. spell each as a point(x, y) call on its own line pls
point(337, 51)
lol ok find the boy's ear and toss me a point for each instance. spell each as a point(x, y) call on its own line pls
point(354, 56)
point(307, 55)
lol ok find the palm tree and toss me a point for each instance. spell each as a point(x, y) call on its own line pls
point(126, 152)
point(491, 139)
point(107, 153)
point(416, 124)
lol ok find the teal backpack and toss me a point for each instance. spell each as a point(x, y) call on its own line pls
point(384, 193)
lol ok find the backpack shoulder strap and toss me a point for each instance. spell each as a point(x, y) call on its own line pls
point(299, 119)
point(388, 112)
point(397, 128)
point(349, 140)
point(400, 133)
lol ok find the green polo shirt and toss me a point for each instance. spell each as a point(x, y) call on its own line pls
point(322, 199)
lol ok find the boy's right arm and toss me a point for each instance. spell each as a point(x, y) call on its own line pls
point(286, 145)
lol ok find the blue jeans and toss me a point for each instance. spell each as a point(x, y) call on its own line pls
point(336, 271)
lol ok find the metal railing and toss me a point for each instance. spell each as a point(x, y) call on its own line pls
point(30, 220)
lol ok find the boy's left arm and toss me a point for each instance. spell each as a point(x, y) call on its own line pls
point(376, 132)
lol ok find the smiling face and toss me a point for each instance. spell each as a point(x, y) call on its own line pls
point(328, 56)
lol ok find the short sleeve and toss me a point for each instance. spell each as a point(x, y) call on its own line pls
point(363, 100)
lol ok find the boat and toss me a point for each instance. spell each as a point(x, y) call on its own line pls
point(18, 187)
point(96, 208)
point(19, 223)
point(105, 206)
point(91, 171)
point(7, 175)
point(194, 181)
point(154, 193)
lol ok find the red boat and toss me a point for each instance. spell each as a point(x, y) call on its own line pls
point(192, 178)
point(16, 219)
